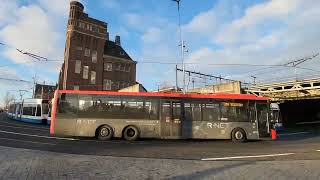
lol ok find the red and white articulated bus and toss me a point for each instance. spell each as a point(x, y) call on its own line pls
point(106, 115)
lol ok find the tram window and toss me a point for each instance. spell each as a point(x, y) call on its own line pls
point(27, 111)
point(210, 112)
point(45, 108)
point(34, 111)
point(38, 110)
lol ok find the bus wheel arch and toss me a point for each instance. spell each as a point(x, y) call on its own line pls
point(238, 135)
point(104, 132)
point(131, 133)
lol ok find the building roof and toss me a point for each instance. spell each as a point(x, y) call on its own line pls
point(111, 49)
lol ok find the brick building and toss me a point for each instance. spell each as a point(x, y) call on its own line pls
point(91, 60)
point(43, 91)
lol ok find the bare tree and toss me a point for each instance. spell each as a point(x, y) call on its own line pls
point(7, 98)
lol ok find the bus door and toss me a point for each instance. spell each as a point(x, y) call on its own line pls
point(263, 119)
point(171, 118)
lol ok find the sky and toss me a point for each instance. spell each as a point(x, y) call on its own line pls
point(218, 35)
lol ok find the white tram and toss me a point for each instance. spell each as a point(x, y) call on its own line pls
point(29, 110)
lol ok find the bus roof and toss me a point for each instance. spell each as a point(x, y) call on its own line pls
point(172, 95)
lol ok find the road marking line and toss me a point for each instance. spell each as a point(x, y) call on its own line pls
point(296, 133)
point(310, 122)
point(17, 124)
point(28, 141)
point(33, 135)
point(36, 129)
point(243, 157)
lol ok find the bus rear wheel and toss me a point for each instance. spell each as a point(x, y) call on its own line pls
point(105, 132)
point(131, 133)
point(238, 135)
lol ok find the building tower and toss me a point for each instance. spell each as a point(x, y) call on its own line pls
point(91, 60)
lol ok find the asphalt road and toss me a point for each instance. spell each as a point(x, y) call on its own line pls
point(294, 144)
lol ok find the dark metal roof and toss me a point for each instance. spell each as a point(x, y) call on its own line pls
point(111, 49)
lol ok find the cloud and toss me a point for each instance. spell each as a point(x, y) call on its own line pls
point(112, 4)
point(6, 7)
point(31, 32)
point(58, 7)
point(153, 35)
point(204, 22)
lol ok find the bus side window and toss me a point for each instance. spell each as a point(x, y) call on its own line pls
point(210, 112)
point(196, 111)
point(187, 112)
point(68, 103)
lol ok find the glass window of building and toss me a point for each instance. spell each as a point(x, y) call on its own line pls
point(107, 84)
point(82, 25)
point(93, 77)
point(107, 66)
point(85, 72)
point(78, 67)
point(76, 87)
point(117, 67)
point(87, 52)
point(94, 56)
point(127, 68)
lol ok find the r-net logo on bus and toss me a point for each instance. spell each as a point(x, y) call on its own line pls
point(217, 125)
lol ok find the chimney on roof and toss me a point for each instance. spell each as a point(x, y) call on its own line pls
point(107, 36)
point(117, 40)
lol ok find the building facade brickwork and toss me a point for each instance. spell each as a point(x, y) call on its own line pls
point(91, 60)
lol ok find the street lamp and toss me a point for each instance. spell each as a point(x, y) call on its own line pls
point(182, 47)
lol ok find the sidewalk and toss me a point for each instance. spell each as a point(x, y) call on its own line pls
point(31, 164)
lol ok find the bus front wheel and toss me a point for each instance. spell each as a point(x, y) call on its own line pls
point(131, 133)
point(105, 132)
point(238, 135)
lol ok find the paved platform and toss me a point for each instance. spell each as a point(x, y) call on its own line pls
point(33, 164)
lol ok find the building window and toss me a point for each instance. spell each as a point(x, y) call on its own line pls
point(122, 53)
point(79, 48)
point(94, 56)
point(107, 84)
point(78, 67)
point(122, 67)
point(117, 67)
point(88, 26)
point(85, 72)
point(93, 77)
point(107, 66)
point(123, 85)
point(128, 68)
point(82, 25)
point(87, 52)
point(76, 87)
point(117, 85)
